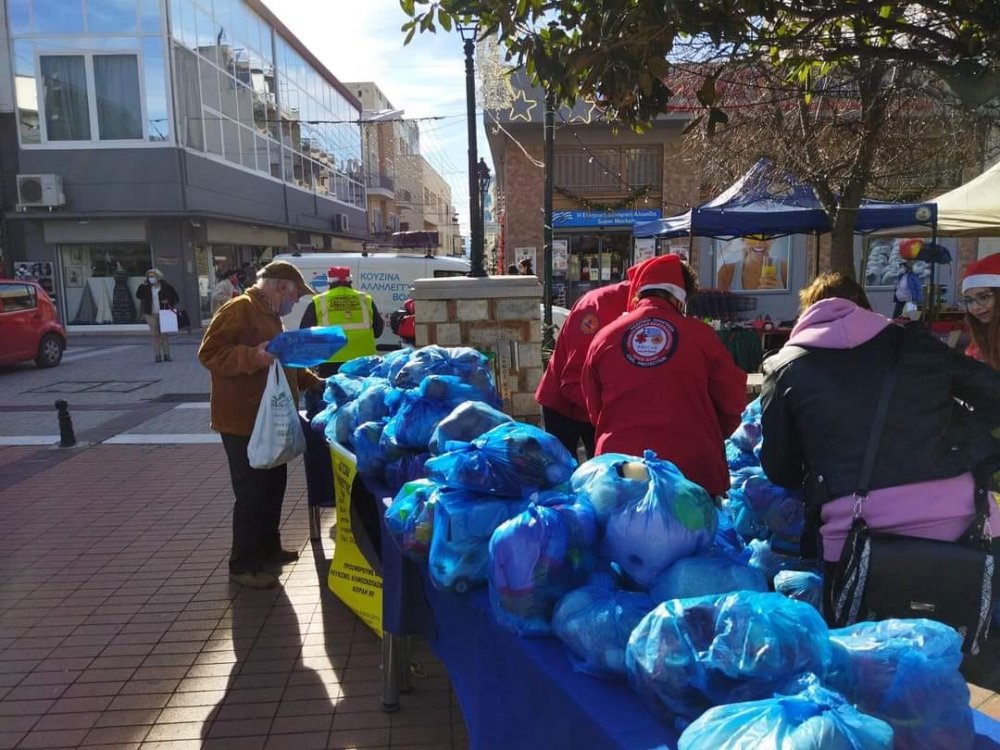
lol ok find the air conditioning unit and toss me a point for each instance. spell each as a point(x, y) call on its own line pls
point(341, 223)
point(44, 190)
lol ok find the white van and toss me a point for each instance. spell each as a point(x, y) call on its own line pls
point(387, 277)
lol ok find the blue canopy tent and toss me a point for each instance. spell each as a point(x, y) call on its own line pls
point(773, 203)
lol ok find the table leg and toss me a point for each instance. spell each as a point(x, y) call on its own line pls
point(315, 514)
point(404, 664)
point(390, 672)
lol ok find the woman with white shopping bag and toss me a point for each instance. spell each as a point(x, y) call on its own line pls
point(159, 307)
point(249, 388)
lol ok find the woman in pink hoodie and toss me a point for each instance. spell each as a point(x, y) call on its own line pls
point(818, 408)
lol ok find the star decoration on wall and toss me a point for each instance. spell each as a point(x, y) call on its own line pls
point(587, 116)
point(529, 105)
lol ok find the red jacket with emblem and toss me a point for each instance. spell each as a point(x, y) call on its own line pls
point(560, 388)
point(657, 380)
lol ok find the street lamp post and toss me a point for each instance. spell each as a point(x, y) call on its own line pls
point(476, 251)
point(483, 177)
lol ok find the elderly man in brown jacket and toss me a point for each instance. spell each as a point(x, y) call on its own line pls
point(233, 350)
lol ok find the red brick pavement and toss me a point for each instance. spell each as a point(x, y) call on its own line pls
point(119, 627)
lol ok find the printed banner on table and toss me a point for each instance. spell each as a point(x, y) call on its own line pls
point(351, 578)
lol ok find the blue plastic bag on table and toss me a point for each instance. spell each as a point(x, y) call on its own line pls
point(779, 510)
point(307, 347)
point(464, 362)
point(536, 558)
point(465, 423)
point(674, 518)
point(801, 585)
point(511, 460)
point(770, 561)
point(737, 458)
point(343, 425)
point(392, 363)
point(813, 718)
point(341, 389)
point(463, 525)
point(373, 402)
point(410, 518)
point(601, 481)
point(594, 623)
point(407, 468)
point(906, 673)
point(414, 422)
point(748, 435)
point(367, 454)
point(690, 654)
point(361, 367)
point(319, 422)
point(705, 574)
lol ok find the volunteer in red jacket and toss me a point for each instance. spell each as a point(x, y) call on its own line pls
point(559, 393)
point(655, 379)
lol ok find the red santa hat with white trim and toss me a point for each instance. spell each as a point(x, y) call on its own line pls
point(662, 272)
point(982, 273)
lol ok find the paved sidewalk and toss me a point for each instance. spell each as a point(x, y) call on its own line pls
point(119, 627)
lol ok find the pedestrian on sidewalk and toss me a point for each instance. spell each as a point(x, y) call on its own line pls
point(234, 352)
point(155, 294)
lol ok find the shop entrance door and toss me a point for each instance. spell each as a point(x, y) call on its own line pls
point(595, 260)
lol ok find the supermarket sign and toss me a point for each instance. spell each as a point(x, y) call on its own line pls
point(622, 218)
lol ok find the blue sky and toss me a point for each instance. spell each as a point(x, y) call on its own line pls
point(360, 40)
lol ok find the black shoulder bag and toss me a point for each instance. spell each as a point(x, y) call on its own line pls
point(882, 576)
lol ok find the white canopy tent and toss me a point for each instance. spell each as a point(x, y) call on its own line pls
point(970, 210)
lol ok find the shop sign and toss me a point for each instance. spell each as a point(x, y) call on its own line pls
point(351, 578)
point(621, 218)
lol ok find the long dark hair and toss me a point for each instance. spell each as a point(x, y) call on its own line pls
point(987, 335)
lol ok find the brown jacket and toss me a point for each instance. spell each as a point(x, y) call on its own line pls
point(226, 351)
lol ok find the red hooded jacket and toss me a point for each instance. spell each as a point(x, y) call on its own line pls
point(657, 380)
point(560, 388)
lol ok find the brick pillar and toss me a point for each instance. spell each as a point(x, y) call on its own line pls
point(498, 315)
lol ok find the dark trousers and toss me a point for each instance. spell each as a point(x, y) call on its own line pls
point(257, 510)
point(568, 431)
point(897, 309)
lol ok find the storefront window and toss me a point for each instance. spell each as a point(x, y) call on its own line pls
point(100, 281)
point(594, 260)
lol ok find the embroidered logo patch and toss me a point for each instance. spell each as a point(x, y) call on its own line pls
point(649, 342)
point(589, 324)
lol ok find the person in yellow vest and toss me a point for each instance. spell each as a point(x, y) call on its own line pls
point(354, 311)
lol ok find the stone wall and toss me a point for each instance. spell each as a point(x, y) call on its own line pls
point(498, 315)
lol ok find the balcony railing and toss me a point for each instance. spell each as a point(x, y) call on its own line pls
point(376, 181)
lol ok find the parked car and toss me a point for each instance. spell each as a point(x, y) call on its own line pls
point(29, 326)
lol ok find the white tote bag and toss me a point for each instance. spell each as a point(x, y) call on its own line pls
point(168, 321)
point(277, 435)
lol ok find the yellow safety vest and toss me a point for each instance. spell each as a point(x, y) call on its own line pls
point(352, 311)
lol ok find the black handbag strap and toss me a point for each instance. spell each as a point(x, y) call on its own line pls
point(878, 423)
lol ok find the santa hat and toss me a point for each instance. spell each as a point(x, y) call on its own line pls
point(662, 272)
point(985, 272)
point(341, 274)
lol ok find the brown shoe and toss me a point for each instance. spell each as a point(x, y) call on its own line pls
point(255, 580)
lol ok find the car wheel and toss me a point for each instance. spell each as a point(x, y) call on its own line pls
point(50, 351)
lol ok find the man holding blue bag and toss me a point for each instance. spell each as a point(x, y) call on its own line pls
point(234, 350)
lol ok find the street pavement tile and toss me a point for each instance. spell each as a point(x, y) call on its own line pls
point(116, 736)
point(37, 692)
point(87, 689)
point(232, 711)
point(255, 695)
point(9, 740)
point(64, 678)
point(407, 717)
point(240, 728)
point(185, 714)
point(67, 721)
point(189, 731)
point(362, 720)
point(139, 700)
point(25, 708)
point(129, 718)
point(150, 686)
point(311, 722)
point(297, 741)
point(423, 735)
point(19, 723)
point(54, 738)
point(359, 738)
point(233, 743)
point(307, 707)
point(202, 698)
point(222, 669)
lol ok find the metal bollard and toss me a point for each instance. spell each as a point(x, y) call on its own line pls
point(315, 523)
point(390, 672)
point(67, 438)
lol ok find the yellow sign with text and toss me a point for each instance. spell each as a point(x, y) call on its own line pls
point(351, 578)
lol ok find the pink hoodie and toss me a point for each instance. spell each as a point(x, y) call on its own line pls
point(940, 509)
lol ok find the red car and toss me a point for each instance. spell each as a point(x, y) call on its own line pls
point(29, 326)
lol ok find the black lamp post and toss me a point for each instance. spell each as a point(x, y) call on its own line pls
point(483, 176)
point(476, 251)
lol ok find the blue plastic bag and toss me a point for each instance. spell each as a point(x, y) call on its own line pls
point(674, 518)
point(463, 525)
point(410, 518)
point(906, 673)
point(511, 460)
point(601, 480)
point(772, 509)
point(801, 585)
point(374, 400)
point(343, 425)
point(341, 389)
point(690, 654)
point(536, 558)
point(369, 457)
point(406, 468)
point(705, 574)
point(737, 458)
point(464, 362)
point(360, 367)
point(748, 435)
point(594, 623)
point(320, 421)
point(466, 422)
point(392, 363)
point(768, 561)
point(813, 719)
point(307, 347)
